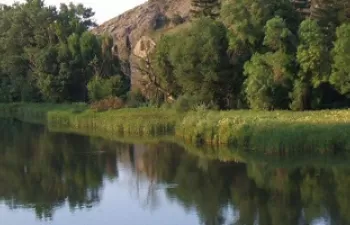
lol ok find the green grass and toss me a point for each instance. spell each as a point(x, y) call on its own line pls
point(141, 121)
point(282, 132)
point(270, 132)
point(36, 113)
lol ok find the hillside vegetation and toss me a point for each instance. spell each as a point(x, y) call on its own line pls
point(262, 55)
point(208, 54)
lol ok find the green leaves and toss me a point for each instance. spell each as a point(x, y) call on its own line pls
point(312, 53)
point(340, 77)
point(269, 74)
point(53, 52)
point(197, 61)
point(267, 81)
point(277, 35)
point(314, 63)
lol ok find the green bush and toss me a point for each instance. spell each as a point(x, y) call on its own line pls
point(135, 99)
point(186, 103)
point(99, 88)
point(120, 86)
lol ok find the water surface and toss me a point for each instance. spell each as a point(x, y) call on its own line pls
point(60, 179)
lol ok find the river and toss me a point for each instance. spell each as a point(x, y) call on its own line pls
point(59, 179)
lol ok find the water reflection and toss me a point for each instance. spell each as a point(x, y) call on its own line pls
point(47, 172)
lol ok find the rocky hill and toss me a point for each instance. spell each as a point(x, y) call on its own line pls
point(131, 29)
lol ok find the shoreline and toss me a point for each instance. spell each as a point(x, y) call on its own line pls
point(269, 132)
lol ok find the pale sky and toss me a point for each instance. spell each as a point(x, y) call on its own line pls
point(104, 9)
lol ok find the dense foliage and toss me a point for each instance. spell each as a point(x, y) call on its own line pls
point(49, 54)
point(260, 54)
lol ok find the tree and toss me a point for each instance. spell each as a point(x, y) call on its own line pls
point(207, 8)
point(340, 77)
point(50, 55)
point(313, 59)
point(246, 19)
point(330, 13)
point(269, 74)
point(200, 63)
point(164, 67)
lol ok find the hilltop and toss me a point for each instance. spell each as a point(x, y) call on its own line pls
point(138, 24)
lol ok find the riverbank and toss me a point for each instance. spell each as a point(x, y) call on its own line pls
point(140, 121)
point(270, 132)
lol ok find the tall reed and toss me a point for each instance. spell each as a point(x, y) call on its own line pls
point(141, 121)
point(269, 132)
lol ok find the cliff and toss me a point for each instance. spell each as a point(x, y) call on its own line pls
point(133, 30)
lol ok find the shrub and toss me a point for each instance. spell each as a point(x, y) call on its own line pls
point(185, 103)
point(135, 99)
point(99, 88)
point(108, 103)
point(120, 86)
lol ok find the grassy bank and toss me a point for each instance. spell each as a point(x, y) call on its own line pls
point(269, 132)
point(78, 117)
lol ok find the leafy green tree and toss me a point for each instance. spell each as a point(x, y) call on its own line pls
point(246, 19)
point(200, 63)
point(330, 13)
point(195, 63)
point(269, 75)
point(313, 60)
point(340, 77)
point(50, 55)
point(164, 67)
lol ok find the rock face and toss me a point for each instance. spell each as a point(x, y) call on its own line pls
point(143, 47)
point(131, 30)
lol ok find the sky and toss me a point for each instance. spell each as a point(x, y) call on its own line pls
point(104, 9)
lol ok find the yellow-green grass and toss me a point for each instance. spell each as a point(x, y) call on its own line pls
point(282, 132)
point(141, 121)
point(36, 113)
point(270, 132)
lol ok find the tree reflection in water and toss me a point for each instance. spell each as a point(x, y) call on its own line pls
point(44, 171)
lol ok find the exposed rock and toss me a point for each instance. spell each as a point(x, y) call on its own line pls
point(144, 47)
point(134, 26)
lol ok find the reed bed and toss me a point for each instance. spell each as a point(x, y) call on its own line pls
point(141, 121)
point(270, 132)
point(282, 132)
point(35, 113)
point(79, 117)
